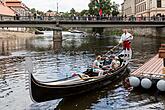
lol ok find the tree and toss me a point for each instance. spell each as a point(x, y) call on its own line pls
point(49, 11)
point(66, 14)
point(115, 8)
point(102, 7)
point(33, 10)
point(72, 11)
point(92, 8)
point(84, 12)
point(40, 12)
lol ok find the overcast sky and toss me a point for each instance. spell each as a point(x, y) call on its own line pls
point(64, 5)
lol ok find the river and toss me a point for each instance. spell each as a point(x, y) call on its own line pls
point(75, 54)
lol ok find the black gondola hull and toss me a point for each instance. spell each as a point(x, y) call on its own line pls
point(41, 92)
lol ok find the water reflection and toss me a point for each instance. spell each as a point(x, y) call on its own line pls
point(8, 45)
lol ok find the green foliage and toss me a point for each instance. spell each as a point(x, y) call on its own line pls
point(93, 10)
point(72, 11)
point(33, 10)
point(49, 11)
point(106, 5)
point(40, 12)
point(84, 12)
point(66, 14)
point(135, 34)
point(115, 7)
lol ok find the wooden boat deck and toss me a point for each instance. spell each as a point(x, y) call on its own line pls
point(152, 68)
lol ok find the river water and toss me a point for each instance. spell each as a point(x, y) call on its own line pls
point(75, 54)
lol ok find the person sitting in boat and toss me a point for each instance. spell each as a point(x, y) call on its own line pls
point(115, 63)
point(111, 63)
point(97, 66)
point(107, 63)
point(125, 39)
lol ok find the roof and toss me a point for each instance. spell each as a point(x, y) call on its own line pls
point(16, 4)
point(13, 4)
point(12, 0)
point(4, 10)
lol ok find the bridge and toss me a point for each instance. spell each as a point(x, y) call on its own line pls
point(56, 23)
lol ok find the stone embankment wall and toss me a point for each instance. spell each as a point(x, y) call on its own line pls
point(148, 32)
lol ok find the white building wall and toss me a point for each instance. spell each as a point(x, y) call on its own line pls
point(154, 3)
point(151, 8)
point(163, 3)
point(129, 7)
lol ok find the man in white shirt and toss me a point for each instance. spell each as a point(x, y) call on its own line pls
point(125, 39)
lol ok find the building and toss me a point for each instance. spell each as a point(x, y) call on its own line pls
point(6, 13)
point(13, 10)
point(51, 13)
point(17, 5)
point(128, 7)
point(147, 8)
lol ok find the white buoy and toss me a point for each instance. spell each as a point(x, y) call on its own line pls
point(161, 85)
point(146, 83)
point(134, 81)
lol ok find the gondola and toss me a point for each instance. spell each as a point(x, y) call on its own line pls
point(74, 85)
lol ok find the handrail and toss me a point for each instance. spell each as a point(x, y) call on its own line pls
point(83, 18)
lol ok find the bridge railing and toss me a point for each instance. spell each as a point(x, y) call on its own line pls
point(81, 18)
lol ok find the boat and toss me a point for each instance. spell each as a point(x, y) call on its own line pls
point(75, 31)
point(97, 35)
point(74, 85)
point(38, 32)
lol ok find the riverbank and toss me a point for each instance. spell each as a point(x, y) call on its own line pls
point(8, 34)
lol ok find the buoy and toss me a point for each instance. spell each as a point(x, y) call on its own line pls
point(161, 85)
point(146, 83)
point(134, 81)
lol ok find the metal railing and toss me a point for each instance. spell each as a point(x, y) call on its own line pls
point(82, 18)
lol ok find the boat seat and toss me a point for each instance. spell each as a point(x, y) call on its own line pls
point(90, 72)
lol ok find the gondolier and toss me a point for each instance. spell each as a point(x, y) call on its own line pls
point(125, 39)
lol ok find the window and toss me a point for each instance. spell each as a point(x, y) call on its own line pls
point(159, 3)
point(145, 6)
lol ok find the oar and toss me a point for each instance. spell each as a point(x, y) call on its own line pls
point(111, 50)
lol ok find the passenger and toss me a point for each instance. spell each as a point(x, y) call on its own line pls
point(107, 63)
point(115, 63)
point(97, 66)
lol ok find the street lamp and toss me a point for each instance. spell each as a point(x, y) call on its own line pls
point(57, 6)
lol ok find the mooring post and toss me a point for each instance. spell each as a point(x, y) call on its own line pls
point(162, 55)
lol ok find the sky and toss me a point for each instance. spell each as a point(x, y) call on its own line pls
point(64, 5)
